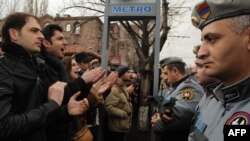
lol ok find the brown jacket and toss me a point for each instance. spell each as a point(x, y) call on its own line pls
point(119, 108)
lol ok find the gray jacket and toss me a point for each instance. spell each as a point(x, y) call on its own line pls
point(187, 93)
point(229, 106)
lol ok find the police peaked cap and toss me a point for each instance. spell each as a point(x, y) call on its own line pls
point(172, 60)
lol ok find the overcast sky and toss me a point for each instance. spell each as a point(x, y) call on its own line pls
point(180, 47)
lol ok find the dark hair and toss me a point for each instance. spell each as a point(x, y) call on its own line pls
point(83, 57)
point(67, 61)
point(16, 21)
point(48, 31)
point(132, 82)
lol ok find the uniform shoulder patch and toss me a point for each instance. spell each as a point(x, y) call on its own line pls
point(239, 118)
point(187, 94)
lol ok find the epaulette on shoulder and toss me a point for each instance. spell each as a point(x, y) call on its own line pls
point(188, 80)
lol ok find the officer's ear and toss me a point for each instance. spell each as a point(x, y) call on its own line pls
point(13, 34)
point(174, 69)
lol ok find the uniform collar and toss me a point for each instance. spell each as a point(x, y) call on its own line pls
point(175, 84)
point(236, 92)
point(210, 87)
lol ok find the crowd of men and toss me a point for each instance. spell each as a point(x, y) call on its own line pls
point(44, 96)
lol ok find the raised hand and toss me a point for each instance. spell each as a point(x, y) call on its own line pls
point(56, 92)
point(92, 76)
point(76, 108)
point(102, 85)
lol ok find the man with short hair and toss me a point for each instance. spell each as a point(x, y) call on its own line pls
point(208, 83)
point(225, 50)
point(86, 61)
point(52, 66)
point(24, 101)
point(178, 107)
point(83, 60)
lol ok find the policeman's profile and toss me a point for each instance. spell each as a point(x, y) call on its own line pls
point(177, 108)
point(225, 51)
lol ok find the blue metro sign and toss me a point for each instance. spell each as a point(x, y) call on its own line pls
point(131, 9)
point(136, 9)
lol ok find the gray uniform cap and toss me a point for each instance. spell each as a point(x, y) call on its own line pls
point(209, 11)
point(171, 60)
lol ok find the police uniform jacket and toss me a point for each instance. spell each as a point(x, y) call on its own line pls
point(229, 106)
point(208, 95)
point(119, 108)
point(187, 92)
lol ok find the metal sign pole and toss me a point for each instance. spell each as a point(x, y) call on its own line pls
point(105, 39)
point(118, 10)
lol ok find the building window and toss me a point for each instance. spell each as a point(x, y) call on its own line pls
point(68, 28)
point(77, 28)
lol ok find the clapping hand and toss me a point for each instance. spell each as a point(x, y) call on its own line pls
point(104, 84)
point(56, 92)
point(75, 107)
point(92, 76)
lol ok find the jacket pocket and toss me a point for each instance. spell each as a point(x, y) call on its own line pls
point(125, 124)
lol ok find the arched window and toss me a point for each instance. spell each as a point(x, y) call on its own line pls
point(77, 28)
point(68, 28)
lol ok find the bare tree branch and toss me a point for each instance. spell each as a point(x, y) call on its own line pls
point(96, 10)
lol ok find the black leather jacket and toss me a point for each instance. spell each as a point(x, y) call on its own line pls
point(23, 103)
point(52, 70)
point(26, 113)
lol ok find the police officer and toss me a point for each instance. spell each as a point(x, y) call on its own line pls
point(225, 50)
point(179, 105)
point(208, 83)
point(164, 87)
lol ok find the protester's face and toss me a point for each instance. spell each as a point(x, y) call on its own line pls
point(131, 88)
point(201, 76)
point(74, 69)
point(84, 66)
point(224, 52)
point(30, 36)
point(127, 75)
point(57, 45)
